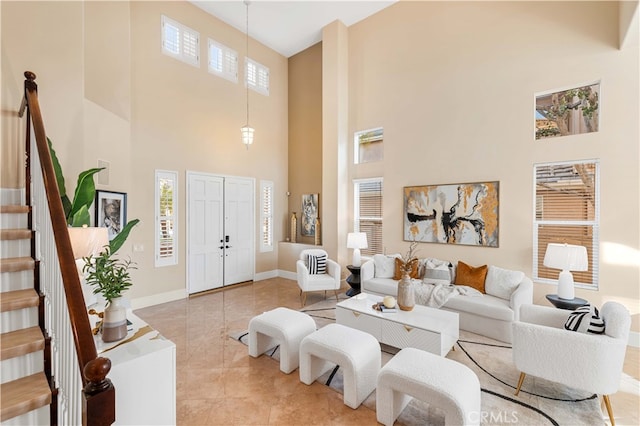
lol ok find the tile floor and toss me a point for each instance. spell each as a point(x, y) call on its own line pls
point(219, 384)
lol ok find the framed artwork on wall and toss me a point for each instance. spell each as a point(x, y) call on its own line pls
point(111, 211)
point(571, 111)
point(464, 213)
point(309, 215)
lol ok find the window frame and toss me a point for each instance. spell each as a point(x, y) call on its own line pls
point(357, 143)
point(266, 214)
point(182, 29)
point(161, 260)
point(256, 86)
point(231, 75)
point(594, 224)
point(357, 218)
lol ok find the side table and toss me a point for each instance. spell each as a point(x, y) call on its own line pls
point(569, 304)
point(353, 280)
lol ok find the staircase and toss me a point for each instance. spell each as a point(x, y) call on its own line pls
point(50, 372)
point(25, 392)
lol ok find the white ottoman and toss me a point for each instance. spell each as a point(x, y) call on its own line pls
point(441, 382)
point(284, 326)
point(357, 352)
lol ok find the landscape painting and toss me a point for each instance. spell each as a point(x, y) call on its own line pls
point(465, 213)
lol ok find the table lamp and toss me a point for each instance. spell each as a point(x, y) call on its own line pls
point(356, 241)
point(566, 257)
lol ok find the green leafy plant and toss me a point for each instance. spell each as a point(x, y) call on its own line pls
point(77, 210)
point(108, 276)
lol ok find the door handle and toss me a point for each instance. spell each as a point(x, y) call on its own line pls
point(221, 247)
point(227, 246)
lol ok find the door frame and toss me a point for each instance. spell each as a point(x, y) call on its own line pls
point(252, 225)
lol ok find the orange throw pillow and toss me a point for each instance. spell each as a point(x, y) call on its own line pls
point(398, 271)
point(473, 277)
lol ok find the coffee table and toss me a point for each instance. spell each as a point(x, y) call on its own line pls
point(432, 330)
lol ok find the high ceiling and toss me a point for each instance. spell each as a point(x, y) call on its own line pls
point(289, 27)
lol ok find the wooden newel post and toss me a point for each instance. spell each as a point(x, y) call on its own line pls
point(99, 394)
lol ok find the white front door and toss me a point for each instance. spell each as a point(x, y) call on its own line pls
point(220, 249)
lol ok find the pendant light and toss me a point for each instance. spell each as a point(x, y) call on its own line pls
point(247, 131)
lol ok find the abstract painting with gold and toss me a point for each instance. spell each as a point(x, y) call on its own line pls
point(465, 213)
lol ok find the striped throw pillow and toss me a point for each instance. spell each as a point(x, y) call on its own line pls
point(585, 319)
point(317, 264)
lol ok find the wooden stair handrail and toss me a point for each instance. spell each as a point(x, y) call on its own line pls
point(99, 392)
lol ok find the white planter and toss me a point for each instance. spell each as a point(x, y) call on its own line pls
point(114, 323)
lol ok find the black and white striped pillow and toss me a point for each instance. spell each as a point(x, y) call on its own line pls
point(317, 264)
point(585, 319)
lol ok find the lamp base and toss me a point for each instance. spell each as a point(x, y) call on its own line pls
point(565, 286)
point(356, 258)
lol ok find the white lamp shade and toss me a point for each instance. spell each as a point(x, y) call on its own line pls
point(567, 257)
point(357, 240)
point(88, 241)
point(247, 135)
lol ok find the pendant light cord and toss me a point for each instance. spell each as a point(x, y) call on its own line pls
point(247, 66)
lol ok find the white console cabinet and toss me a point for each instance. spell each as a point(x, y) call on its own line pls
point(143, 371)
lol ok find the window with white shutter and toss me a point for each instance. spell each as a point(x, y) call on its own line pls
point(266, 216)
point(256, 76)
point(368, 213)
point(223, 61)
point(166, 218)
point(567, 210)
point(180, 42)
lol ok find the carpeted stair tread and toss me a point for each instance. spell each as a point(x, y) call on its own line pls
point(15, 234)
point(21, 342)
point(19, 299)
point(16, 264)
point(24, 395)
point(14, 208)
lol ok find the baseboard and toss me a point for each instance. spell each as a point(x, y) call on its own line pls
point(9, 196)
point(265, 275)
point(287, 274)
point(634, 339)
point(156, 299)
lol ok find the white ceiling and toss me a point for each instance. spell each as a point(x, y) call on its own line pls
point(289, 27)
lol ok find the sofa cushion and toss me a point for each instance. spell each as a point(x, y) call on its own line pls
point(436, 272)
point(473, 277)
point(384, 265)
point(502, 282)
point(317, 264)
point(382, 286)
point(585, 319)
point(399, 269)
point(485, 306)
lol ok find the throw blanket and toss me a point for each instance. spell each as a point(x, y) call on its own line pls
point(436, 295)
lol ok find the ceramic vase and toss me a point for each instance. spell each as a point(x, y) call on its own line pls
point(294, 227)
point(114, 323)
point(406, 295)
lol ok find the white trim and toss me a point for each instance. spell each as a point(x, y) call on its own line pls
point(288, 275)
point(157, 299)
point(260, 276)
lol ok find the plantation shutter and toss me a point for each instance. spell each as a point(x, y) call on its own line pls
point(567, 211)
point(180, 42)
point(368, 213)
point(266, 216)
point(223, 61)
point(166, 218)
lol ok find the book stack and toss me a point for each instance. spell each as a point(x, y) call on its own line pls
point(380, 307)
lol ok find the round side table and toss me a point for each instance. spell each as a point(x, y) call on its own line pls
point(569, 304)
point(353, 280)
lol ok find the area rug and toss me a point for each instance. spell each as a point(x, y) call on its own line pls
point(540, 401)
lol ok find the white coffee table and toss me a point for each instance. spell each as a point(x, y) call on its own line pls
point(432, 330)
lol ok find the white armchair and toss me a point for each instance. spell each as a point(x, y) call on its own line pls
point(589, 362)
point(317, 282)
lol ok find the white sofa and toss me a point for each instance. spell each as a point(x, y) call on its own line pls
point(488, 315)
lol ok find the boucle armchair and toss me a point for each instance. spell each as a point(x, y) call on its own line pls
point(312, 279)
point(589, 362)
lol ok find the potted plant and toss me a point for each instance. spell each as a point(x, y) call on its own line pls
point(110, 277)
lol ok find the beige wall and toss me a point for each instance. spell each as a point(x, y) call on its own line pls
point(107, 92)
point(455, 95)
point(305, 133)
